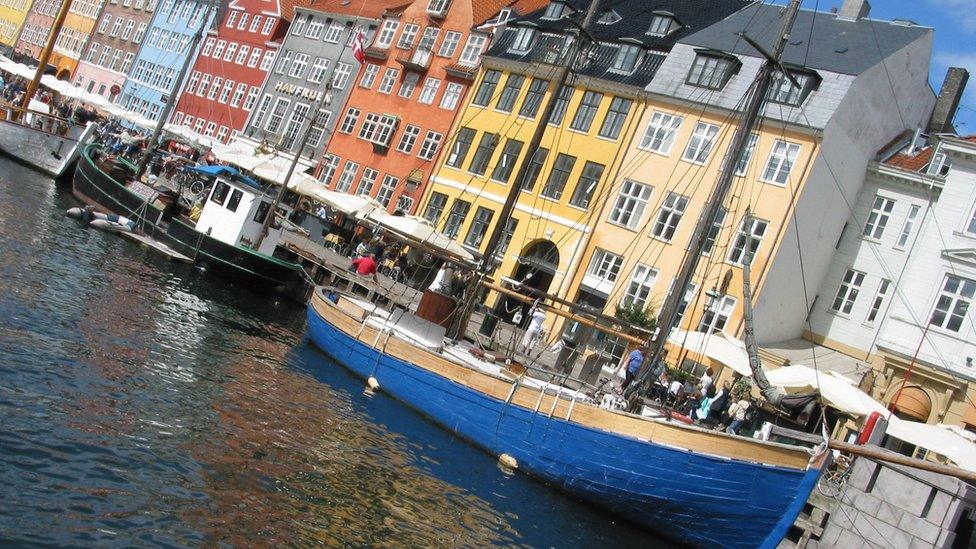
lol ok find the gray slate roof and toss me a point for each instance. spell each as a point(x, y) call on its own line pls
point(845, 47)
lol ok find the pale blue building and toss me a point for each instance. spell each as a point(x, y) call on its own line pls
point(163, 51)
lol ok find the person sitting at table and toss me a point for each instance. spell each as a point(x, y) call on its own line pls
point(365, 266)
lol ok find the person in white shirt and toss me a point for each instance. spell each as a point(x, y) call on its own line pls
point(706, 380)
point(534, 331)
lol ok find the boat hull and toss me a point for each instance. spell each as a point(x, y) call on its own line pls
point(685, 495)
point(46, 152)
point(259, 272)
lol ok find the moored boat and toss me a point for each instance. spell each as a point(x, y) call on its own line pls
point(44, 142)
point(687, 483)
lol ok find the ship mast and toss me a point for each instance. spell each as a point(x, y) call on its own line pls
point(45, 56)
point(494, 239)
point(177, 85)
point(750, 118)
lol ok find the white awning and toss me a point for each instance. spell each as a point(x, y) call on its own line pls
point(271, 166)
point(357, 206)
point(419, 230)
point(720, 347)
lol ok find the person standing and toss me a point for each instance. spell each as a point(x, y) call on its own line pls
point(634, 362)
point(533, 332)
point(738, 414)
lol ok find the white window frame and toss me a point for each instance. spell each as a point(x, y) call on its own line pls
point(669, 216)
point(878, 218)
point(632, 200)
point(661, 133)
point(779, 165)
point(700, 143)
point(953, 303)
point(847, 292)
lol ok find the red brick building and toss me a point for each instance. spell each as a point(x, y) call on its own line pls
point(418, 68)
point(231, 67)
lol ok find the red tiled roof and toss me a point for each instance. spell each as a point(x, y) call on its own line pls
point(288, 8)
point(371, 9)
point(483, 10)
point(911, 162)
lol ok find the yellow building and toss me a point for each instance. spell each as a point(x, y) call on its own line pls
point(78, 26)
point(13, 13)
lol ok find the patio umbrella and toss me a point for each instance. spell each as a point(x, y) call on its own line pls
point(356, 206)
point(720, 347)
point(187, 135)
point(421, 231)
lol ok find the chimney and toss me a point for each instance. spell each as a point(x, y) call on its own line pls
point(948, 101)
point(852, 10)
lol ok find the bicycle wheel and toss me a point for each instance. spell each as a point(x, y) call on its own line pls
point(830, 484)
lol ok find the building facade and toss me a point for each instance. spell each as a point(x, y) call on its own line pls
point(77, 29)
point(233, 63)
point(110, 52)
point(319, 47)
point(13, 16)
point(403, 99)
point(34, 33)
point(166, 46)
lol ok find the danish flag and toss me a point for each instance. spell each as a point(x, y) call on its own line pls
point(357, 47)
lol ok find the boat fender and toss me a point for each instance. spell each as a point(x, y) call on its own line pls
point(111, 226)
point(507, 461)
point(373, 384)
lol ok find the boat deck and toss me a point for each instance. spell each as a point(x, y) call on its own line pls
point(157, 246)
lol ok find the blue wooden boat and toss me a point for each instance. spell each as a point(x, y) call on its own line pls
point(691, 485)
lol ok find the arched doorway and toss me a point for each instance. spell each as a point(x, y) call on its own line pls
point(64, 75)
point(912, 403)
point(537, 266)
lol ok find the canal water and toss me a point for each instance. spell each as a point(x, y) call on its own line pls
point(143, 402)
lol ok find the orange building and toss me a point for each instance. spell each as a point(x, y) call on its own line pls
point(417, 71)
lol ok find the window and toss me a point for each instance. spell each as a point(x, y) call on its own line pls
point(487, 88)
point(93, 52)
point(204, 85)
point(341, 75)
point(385, 128)
point(219, 49)
point(298, 66)
point(369, 126)
point(482, 155)
point(711, 71)
point(386, 34)
point(554, 10)
point(242, 55)
point(783, 91)
point(369, 75)
point(513, 85)
point(626, 59)
point(127, 31)
point(435, 207)
point(366, 182)
point(252, 98)
point(714, 231)
point(408, 139)
point(438, 7)
point(613, 122)
point(459, 211)
point(429, 91)
point(225, 93)
point(751, 230)
point(660, 133)
point(562, 104)
point(283, 62)
point(700, 144)
point(238, 94)
point(879, 298)
point(232, 17)
point(385, 193)
point(472, 50)
point(605, 266)
point(220, 192)
point(533, 98)
point(349, 122)
point(215, 89)
point(106, 21)
point(389, 78)
point(639, 289)
point(329, 166)
point(262, 212)
point(906, 229)
point(669, 216)
point(243, 22)
point(300, 23)
point(127, 62)
point(878, 218)
point(558, 177)
point(523, 39)
point(298, 116)
point(717, 316)
point(589, 178)
point(347, 176)
point(660, 25)
point(847, 292)
point(743, 164)
point(265, 103)
point(319, 68)
point(255, 23)
point(780, 162)
point(628, 210)
point(462, 143)
point(315, 27)
point(428, 40)
point(334, 34)
point(116, 27)
point(953, 304)
point(428, 149)
point(277, 114)
point(140, 32)
point(450, 44)
point(506, 162)
point(407, 36)
point(318, 127)
point(268, 60)
point(408, 85)
point(479, 227)
point(507, 233)
point(586, 111)
point(452, 95)
point(535, 168)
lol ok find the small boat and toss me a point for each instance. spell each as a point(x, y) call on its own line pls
point(232, 214)
point(106, 222)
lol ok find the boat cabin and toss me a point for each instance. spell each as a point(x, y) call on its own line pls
point(234, 213)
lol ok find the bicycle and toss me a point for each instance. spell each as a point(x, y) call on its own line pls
point(832, 482)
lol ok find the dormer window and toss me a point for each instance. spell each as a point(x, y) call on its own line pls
point(523, 39)
point(627, 57)
point(554, 10)
point(661, 25)
point(712, 70)
point(939, 166)
point(609, 18)
point(438, 8)
point(784, 91)
point(504, 15)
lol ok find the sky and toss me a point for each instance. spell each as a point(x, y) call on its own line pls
point(954, 22)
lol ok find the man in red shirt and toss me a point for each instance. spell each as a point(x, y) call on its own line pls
point(365, 265)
